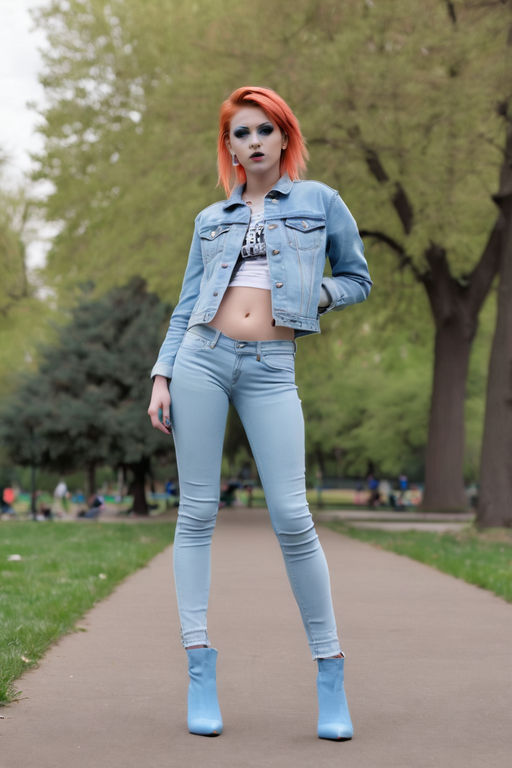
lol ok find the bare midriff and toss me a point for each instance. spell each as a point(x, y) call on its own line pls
point(246, 313)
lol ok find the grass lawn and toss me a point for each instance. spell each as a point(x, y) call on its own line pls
point(481, 558)
point(65, 568)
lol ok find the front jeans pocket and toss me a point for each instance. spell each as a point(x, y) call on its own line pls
point(194, 342)
point(279, 361)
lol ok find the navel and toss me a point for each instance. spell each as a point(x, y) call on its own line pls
point(247, 314)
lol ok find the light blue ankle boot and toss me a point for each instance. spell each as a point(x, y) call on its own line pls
point(333, 716)
point(204, 715)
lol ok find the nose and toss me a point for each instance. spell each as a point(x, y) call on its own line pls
point(255, 141)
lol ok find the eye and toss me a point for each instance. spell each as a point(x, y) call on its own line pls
point(266, 129)
point(240, 132)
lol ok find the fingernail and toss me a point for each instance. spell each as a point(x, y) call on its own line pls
point(167, 423)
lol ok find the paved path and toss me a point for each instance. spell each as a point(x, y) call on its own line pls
point(428, 671)
point(410, 526)
point(406, 520)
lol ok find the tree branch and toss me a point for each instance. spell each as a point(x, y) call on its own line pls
point(481, 277)
point(489, 264)
point(439, 284)
point(451, 11)
point(404, 260)
point(399, 199)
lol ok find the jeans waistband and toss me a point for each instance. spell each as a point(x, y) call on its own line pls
point(216, 337)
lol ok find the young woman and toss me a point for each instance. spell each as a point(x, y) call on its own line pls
point(253, 284)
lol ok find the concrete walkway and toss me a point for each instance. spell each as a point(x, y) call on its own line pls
point(428, 670)
point(406, 520)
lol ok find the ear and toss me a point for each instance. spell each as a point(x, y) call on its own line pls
point(285, 141)
point(228, 145)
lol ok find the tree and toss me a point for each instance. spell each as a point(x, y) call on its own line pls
point(22, 312)
point(430, 142)
point(495, 496)
point(400, 110)
point(86, 404)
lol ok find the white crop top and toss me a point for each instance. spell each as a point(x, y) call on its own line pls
point(253, 271)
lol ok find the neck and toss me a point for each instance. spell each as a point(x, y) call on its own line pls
point(258, 186)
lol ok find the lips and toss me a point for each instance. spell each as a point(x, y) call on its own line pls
point(256, 154)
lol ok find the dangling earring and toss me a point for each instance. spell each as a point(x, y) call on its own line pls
point(235, 159)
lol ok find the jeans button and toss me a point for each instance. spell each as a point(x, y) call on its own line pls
point(215, 293)
point(279, 285)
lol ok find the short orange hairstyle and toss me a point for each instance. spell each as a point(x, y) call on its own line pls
point(293, 158)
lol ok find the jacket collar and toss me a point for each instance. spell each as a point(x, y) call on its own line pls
point(282, 187)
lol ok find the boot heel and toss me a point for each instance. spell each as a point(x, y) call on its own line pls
point(204, 717)
point(333, 716)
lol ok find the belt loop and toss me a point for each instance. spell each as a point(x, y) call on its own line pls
point(258, 351)
point(215, 338)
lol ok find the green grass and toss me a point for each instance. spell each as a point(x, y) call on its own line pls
point(483, 558)
point(65, 569)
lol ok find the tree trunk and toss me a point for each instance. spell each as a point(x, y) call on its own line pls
point(33, 492)
point(444, 460)
point(91, 479)
point(139, 471)
point(495, 496)
point(455, 307)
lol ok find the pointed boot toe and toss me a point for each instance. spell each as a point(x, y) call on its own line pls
point(204, 717)
point(333, 715)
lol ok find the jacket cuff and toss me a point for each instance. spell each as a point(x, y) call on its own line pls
point(162, 369)
point(331, 293)
point(325, 297)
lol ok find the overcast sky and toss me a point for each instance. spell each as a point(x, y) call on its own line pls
point(19, 66)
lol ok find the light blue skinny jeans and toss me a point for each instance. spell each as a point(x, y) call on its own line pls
point(258, 377)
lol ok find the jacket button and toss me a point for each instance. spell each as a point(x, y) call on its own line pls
point(279, 285)
point(212, 234)
point(224, 266)
point(275, 251)
point(215, 293)
point(275, 200)
point(305, 225)
point(272, 226)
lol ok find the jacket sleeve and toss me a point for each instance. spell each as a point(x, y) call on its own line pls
point(350, 280)
point(182, 311)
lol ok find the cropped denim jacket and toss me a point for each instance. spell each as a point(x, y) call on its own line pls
point(305, 223)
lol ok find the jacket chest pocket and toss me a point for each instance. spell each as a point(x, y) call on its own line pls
point(305, 234)
point(213, 240)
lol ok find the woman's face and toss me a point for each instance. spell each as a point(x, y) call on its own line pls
point(256, 141)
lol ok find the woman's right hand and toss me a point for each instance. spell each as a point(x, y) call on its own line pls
point(160, 404)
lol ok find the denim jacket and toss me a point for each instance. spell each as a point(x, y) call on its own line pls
point(305, 222)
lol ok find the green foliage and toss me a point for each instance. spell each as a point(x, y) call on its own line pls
point(133, 91)
point(85, 405)
point(22, 314)
point(64, 570)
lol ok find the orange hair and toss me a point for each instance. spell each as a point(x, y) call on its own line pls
point(293, 158)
